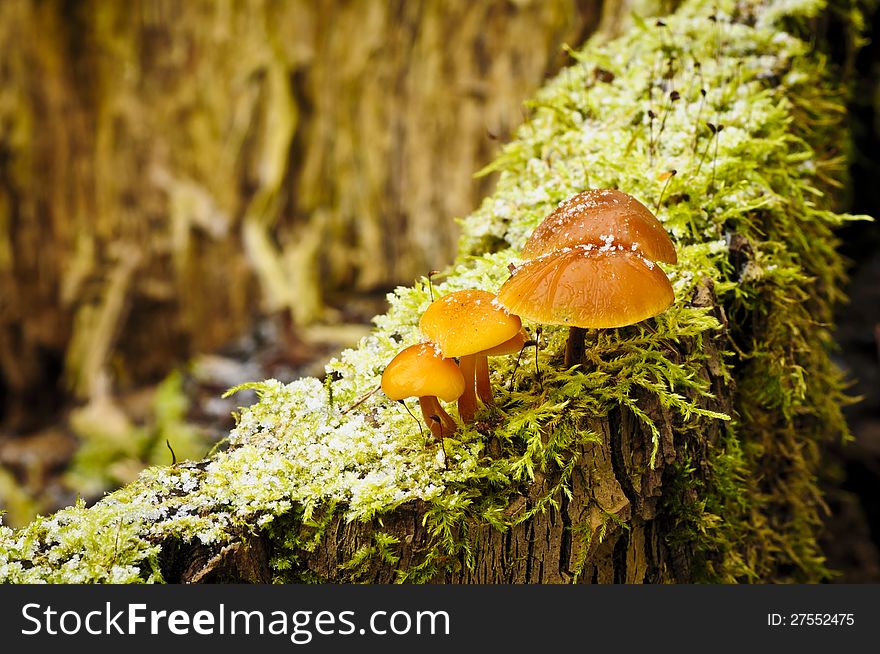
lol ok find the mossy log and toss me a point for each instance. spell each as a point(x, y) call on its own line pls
point(571, 541)
point(685, 449)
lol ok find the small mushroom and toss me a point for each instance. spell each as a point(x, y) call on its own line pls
point(466, 324)
point(484, 386)
point(599, 217)
point(421, 371)
point(583, 287)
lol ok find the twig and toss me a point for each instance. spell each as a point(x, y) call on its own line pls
point(362, 400)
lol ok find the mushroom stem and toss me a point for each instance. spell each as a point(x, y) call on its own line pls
point(467, 403)
point(574, 346)
point(484, 386)
point(439, 422)
point(449, 424)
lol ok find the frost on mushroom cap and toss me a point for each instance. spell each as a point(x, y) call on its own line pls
point(420, 371)
point(597, 217)
point(582, 287)
point(468, 322)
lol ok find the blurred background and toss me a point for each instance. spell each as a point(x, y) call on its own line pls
point(199, 194)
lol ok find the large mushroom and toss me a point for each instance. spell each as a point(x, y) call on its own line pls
point(599, 217)
point(468, 324)
point(570, 254)
point(421, 371)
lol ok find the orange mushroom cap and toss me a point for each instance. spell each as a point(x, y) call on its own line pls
point(582, 287)
point(602, 217)
point(468, 322)
point(509, 346)
point(419, 371)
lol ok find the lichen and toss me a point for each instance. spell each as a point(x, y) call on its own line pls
point(755, 157)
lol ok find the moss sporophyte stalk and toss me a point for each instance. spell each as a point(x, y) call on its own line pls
point(757, 275)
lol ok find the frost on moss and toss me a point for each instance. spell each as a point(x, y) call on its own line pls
point(752, 133)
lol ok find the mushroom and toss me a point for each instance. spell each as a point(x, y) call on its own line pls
point(602, 220)
point(467, 324)
point(599, 217)
point(511, 345)
point(584, 287)
point(421, 371)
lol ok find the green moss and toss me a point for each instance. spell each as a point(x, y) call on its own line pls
point(114, 450)
point(311, 451)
